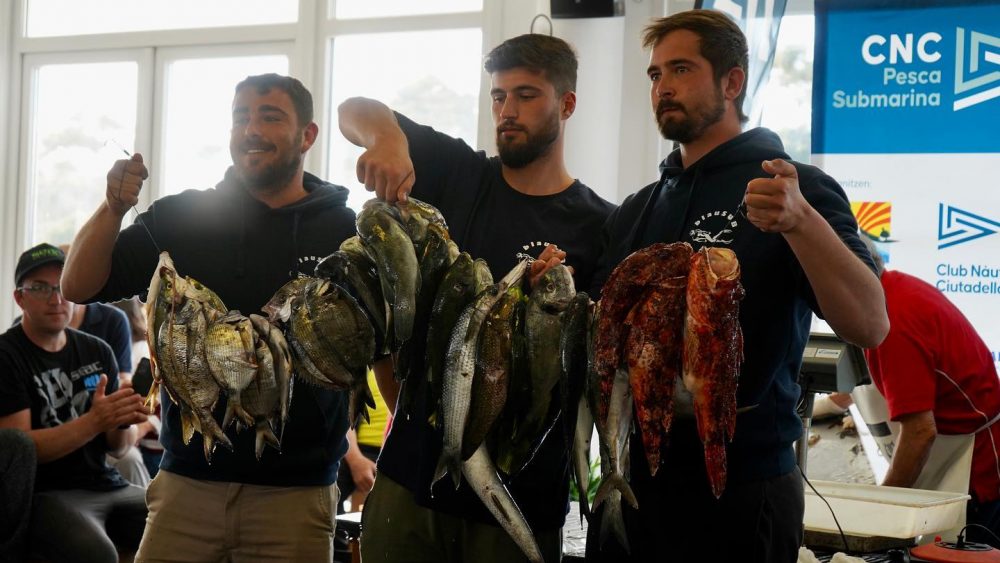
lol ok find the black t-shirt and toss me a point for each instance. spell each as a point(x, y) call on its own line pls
point(58, 387)
point(491, 220)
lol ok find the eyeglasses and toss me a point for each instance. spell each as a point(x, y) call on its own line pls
point(41, 290)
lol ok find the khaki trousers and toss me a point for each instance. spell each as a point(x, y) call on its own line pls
point(394, 529)
point(207, 521)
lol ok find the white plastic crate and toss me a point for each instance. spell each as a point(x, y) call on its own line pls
point(892, 512)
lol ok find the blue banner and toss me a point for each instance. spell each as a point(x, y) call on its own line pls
point(760, 21)
point(906, 77)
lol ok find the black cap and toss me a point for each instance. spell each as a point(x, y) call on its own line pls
point(37, 256)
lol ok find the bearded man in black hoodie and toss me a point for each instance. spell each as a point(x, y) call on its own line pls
point(799, 252)
point(264, 223)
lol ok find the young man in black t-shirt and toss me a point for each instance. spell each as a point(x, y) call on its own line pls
point(499, 208)
point(60, 386)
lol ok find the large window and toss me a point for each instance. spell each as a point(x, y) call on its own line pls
point(431, 77)
point(197, 120)
point(50, 18)
point(104, 77)
point(73, 135)
point(788, 99)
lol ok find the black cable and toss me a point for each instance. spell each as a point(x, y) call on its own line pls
point(832, 513)
point(989, 531)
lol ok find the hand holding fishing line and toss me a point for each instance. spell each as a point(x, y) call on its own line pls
point(124, 184)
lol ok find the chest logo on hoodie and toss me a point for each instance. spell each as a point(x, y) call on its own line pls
point(305, 265)
point(714, 227)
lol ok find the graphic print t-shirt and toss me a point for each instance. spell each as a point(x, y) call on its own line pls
point(58, 387)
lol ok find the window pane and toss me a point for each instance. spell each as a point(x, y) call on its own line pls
point(78, 131)
point(197, 120)
point(431, 77)
point(112, 16)
point(348, 9)
point(788, 99)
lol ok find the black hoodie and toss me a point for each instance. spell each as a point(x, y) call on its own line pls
point(699, 205)
point(244, 251)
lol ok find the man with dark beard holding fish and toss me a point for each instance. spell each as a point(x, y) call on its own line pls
point(798, 251)
point(262, 225)
point(497, 209)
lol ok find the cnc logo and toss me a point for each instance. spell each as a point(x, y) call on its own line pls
point(976, 65)
point(957, 226)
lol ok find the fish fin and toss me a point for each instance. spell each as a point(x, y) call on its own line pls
point(265, 436)
point(187, 426)
point(440, 470)
point(361, 400)
point(715, 464)
point(209, 443)
point(610, 483)
point(151, 397)
point(235, 410)
point(212, 435)
point(227, 419)
point(455, 468)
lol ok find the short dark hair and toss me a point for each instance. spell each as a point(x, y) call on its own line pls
point(721, 42)
point(551, 56)
point(301, 98)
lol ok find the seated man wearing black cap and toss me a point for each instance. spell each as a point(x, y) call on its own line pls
point(60, 386)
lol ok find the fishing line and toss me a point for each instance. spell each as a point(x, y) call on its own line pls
point(118, 196)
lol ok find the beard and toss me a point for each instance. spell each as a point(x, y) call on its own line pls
point(519, 155)
point(274, 175)
point(695, 122)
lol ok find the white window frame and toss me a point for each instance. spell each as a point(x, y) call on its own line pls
point(27, 193)
point(164, 57)
point(307, 42)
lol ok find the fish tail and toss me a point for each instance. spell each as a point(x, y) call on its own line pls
point(234, 409)
point(361, 399)
point(265, 436)
point(442, 468)
point(715, 465)
point(188, 426)
point(610, 483)
point(212, 435)
point(151, 397)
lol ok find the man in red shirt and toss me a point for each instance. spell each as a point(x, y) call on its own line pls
point(938, 378)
